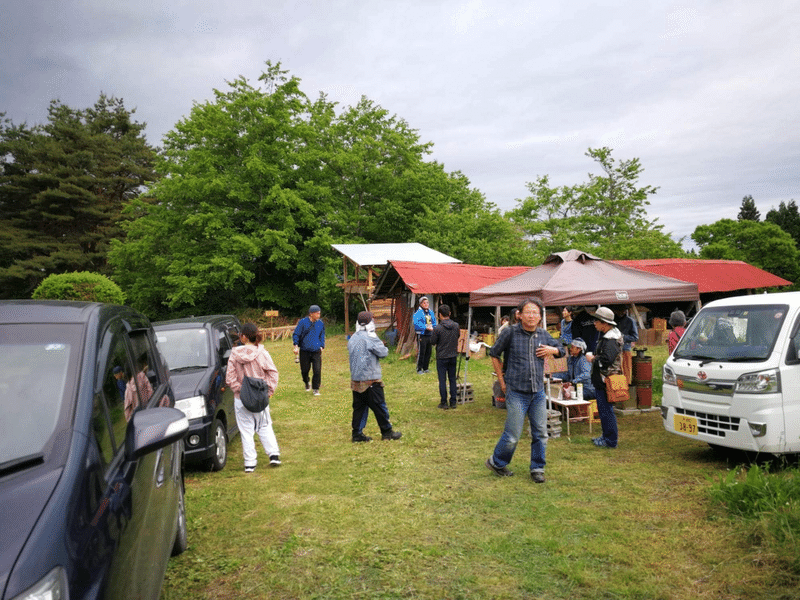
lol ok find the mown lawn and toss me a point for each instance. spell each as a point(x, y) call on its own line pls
point(423, 518)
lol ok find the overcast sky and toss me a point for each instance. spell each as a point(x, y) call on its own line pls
point(705, 93)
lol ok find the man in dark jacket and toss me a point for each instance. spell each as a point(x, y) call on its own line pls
point(445, 338)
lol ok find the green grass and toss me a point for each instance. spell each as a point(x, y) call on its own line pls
point(423, 518)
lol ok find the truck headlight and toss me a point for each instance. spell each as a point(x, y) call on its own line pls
point(193, 408)
point(668, 376)
point(763, 382)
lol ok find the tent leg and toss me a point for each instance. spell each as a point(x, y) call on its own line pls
point(466, 361)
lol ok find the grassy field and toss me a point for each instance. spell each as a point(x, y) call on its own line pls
point(422, 517)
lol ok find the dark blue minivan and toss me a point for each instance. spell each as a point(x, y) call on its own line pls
point(91, 454)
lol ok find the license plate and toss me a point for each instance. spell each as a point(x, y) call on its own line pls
point(684, 424)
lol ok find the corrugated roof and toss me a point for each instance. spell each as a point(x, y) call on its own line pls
point(375, 255)
point(438, 278)
point(709, 275)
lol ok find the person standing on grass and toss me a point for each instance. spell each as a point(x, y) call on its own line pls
point(630, 335)
point(253, 360)
point(424, 322)
point(527, 343)
point(607, 360)
point(309, 342)
point(366, 350)
point(445, 338)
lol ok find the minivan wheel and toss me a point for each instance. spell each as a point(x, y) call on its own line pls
point(220, 458)
point(181, 535)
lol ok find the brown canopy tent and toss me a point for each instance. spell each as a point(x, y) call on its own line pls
point(575, 277)
point(579, 278)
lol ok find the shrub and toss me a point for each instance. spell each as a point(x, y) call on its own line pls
point(82, 286)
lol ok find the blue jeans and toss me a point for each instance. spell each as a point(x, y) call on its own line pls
point(608, 420)
point(518, 406)
point(446, 370)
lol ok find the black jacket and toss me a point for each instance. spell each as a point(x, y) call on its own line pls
point(445, 338)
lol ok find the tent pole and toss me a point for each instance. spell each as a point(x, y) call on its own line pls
point(466, 361)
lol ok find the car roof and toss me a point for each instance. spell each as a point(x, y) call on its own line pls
point(791, 298)
point(60, 311)
point(188, 322)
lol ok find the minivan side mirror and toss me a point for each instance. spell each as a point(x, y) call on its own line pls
point(154, 428)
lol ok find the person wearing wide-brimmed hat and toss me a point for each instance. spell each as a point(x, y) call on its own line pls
point(606, 360)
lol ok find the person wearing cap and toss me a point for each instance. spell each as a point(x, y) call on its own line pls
point(445, 338)
point(579, 370)
point(309, 342)
point(607, 360)
point(677, 320)
point(424, 322)
point(119, 375)
point(366, 350)
point(522, 383)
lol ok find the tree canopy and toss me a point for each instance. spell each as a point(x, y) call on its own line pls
point(607, 215)
point(62, 188)
point(748, 210)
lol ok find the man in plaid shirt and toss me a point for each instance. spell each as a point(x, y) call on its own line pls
point(523, 383)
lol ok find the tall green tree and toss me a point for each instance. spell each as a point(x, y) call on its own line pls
point(607, 215)
point(786, 217)
point(748, 210)
point(762, 244)
point(233, 221)
point(63, 185)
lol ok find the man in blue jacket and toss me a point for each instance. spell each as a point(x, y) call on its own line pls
point(309, 342)
point(424, 322)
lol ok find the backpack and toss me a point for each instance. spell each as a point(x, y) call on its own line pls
point(254, 394)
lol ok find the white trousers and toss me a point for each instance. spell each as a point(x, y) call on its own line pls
point(251, 423)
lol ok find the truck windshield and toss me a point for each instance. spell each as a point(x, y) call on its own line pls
point(733, 334)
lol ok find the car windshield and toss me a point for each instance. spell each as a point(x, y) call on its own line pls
point(184, 348)
point(732, 334)
point(38, 367)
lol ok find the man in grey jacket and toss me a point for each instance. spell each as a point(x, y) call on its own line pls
point(366, 349)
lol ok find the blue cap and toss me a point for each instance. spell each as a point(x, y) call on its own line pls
point(314, 308)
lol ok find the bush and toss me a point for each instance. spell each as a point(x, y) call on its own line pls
point(83, 286)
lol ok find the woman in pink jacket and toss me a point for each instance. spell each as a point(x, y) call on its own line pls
point(253, 360)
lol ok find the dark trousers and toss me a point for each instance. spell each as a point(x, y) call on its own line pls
point(424, 353)
point(373, 398)
point(309, 361)
point(446, 369)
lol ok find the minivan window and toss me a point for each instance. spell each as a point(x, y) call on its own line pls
point(184, 348)
point(732, 334)
point(37, 385)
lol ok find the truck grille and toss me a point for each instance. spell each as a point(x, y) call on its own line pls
point(717, 425)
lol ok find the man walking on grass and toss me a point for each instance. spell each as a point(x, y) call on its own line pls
point(309, 342)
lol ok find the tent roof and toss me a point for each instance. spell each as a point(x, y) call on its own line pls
point(376, 255)
point(574, 277)
point(709, 275)
point(430, 278)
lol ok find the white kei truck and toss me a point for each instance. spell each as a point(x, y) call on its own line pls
point(733, 381)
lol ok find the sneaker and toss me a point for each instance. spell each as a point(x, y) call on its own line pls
point(274, 461)
point(452, 406)
point(392, 435)
point(249, 469)
point(601, 443)
point(361, 438)
point(442, 405)
point(537, 476)
point(426, 371)
point(420, 371)
point(308, 387)
point(499, 471)
point(316, 393)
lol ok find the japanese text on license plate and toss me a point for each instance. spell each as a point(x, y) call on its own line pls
point(684, 424)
